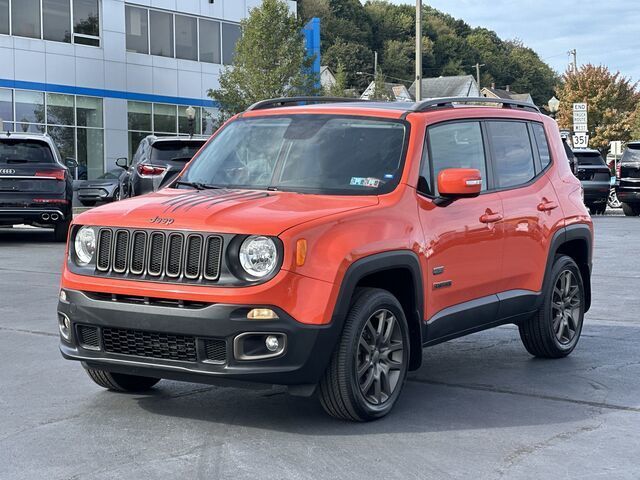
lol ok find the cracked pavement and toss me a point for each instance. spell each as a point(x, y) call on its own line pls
point(480, 407)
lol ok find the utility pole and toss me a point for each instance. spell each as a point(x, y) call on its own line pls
point(375, 64)
point(478, 65)
point(418, 50)
point(575, 61)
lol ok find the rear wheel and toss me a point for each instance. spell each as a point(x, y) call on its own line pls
point(120, 382)
point(369, 365)
point(630, 210)
point(613, 201)
point(554, 331)
point(597, 208)
point(61, 230)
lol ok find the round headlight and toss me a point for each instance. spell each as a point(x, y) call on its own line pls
point(258, 256)
point(85, 245)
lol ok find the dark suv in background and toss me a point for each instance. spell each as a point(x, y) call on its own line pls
point(595, 176)
point(628, 188)
point(35, 185)
point(157, 161)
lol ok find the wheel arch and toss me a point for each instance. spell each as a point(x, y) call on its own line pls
point(399, 273)
point(575, 241)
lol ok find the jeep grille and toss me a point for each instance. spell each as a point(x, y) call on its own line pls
point(158, 255)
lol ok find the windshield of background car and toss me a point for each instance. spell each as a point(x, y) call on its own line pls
point(15, 151)
point(305, 153)
point(631, 154)
point(589, 158)
point(179, 150)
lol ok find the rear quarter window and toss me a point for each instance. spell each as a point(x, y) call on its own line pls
point(542, 144)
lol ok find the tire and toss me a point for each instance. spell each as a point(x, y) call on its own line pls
point(382, 358)
point(61, 231)
point(630, 210)
point(598, 209)
point(539, 333)
point(88, 203)
point(613, 201)
point(120, 382)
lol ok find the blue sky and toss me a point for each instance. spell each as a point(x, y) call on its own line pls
point(603, 32)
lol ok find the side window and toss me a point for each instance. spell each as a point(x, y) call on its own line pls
point(454, 145)
point(513, 162)
point(543, 144)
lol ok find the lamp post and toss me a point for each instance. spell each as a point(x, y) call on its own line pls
point(553, 105)
point(191, 116)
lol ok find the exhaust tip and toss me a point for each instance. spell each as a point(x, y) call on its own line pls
point(45, 216)
point(54, 216)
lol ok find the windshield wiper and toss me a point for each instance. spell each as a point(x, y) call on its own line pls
point(199, 185)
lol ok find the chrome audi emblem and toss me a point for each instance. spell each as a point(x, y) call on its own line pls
point(7, 171)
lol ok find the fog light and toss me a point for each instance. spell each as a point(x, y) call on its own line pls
point(64, 325)
point(272, 343)
point(262, 314)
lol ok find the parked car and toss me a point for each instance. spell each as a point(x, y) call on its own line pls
point(156, 163)
point(596, 179)
point(105, 188)
point(323, 246)
point(35, 183)
point(614, 168)
point(628, 189)
point(573, 161)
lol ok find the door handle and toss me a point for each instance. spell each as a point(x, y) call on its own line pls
point(490, 217)
point(547, 206)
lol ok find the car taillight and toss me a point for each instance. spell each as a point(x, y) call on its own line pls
point(150, 170)
point(57, 174)
point(59, 201)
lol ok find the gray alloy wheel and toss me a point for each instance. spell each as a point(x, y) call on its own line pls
point(369, 365)
point(379, 357)
point(566, 306)
point(613, 201)
point(554, 330)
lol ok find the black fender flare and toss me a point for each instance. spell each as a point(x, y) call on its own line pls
point(379, 262)
point(579, 231)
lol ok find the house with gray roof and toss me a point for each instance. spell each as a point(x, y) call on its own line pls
point(440, 87)
point(507, 94)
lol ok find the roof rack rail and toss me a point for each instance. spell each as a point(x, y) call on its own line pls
point(284, 101)
point(449, 101)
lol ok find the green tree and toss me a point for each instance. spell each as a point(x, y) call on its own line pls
point(611, 98)
point(340, 87)
point(270, 61)
point(358, 57)
point(635, 122)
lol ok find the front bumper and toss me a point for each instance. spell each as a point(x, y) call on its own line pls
point(307, 353)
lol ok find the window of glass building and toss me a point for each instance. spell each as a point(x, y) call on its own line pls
point(29, 111)
point(56, 20)
point(164, 118)
point(25, 18)
point(161, 31)
point(140, 124)
point(6, 109)
point(86, 22)
point(89, 112)
point(4, 17)
point(210, 41)
point(60, 109)
point(186, 37)
point(137, 26)
point(230, 36)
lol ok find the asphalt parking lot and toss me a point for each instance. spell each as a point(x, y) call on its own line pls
point(479, 408)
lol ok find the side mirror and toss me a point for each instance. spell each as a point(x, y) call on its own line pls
point(71, 162)
point(459, 183)
point(122, 162)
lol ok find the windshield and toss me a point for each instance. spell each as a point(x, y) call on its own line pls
point(304, 153)
point(589, 158)
point(631, 154)
point(178, 150)
point(15, 151)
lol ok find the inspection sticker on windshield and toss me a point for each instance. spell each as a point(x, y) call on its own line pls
point(365, 182)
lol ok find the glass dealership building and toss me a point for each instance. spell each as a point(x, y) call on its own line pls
point(99, 75)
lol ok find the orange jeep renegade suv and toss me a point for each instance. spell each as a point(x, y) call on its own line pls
point(322, 246)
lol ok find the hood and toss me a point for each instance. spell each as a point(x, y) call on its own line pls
point(222, 211)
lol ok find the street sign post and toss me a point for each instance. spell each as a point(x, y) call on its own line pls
point(580, 128)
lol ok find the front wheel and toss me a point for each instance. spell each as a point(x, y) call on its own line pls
point(120, 382)
point(630, 210)
point(554, 331)
point(369, 365)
